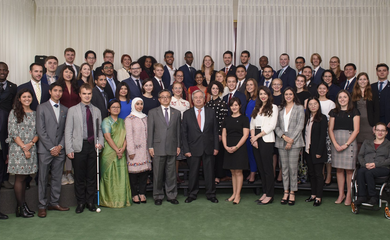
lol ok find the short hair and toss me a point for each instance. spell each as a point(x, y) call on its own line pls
point(241, 66)
point(268, 66)
point(381, 124)
point(111, 102)
point(89, 52)
point(350, 65)
point(219, 85)
point(233, 100)
point(308, 68)
point(133, 63)
point(168, 52)
point(300, 57)
point(69, 50)
point(35, 64)
point(126, 55)
point(196, 91)
point(98, 74)
point(164, 90)
point(285, 54)
point(158, 65)
point(231, 75)
point(247, 52)
point(315, 54)
point(106, 63)
point(86, 86)
point(177, 72)
point(382, 65)
point(3, 63)
point(263, 57)
point(108, 51)
point(188, 52)
point(228, 52)
point(51, 57)
point(55, 84)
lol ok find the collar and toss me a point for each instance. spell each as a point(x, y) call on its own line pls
point(53, 103)
point(99, 88)
point(69, 64)
point(35, 83)
point(83, 105)
point(351, 79)
point(246, 66)
point(316, 69)
point(196, 109)
point(229, 66)
point(163, 108)
point(233, 92)
point(188, 65)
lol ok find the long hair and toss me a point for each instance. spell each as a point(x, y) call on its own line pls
point(318, 116)
point(338, 70)
point(142, 60)
point(73, 82)
point(357, 92)
point(118, 88)
point(89, 79)
point(267, 109)
point(350, 105)
point(146, 81)
point(334, 78)
point(255, 91)
point(295, 100)
point(18, 107)
point(203, 67)
point(224, 77)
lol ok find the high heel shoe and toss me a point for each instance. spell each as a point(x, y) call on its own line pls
point(263, 203)
point(338, 202)
point(28, 209)
point(285, 201)
point(291, 202)
point(144, 201)
point(21, 212)
point(310, 199)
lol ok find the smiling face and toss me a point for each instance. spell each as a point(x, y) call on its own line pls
point(276, 85)
point(284, 60)
point(136, 70)
point(380, 132)
point(51, 65)
point(267, 73)
point(169, 59)
point(215, 90)
point(207, 62)
point(179, 76)
point(343, 99)
point(189, 58)
point(148, 62)
point(250, 87)
point(219, 77)
point(315, 61)
point(85, 70)
point(300, 82)
point(334, 63)
point(241, 73)
point(313, 106)
point(126, 62)
point(349, 72)
point(177, 90)
point(69, 57)
point(165, 98)
point(139, 105)
point(198, 99)
point(263, 61)
point(158, 72)
point(85, 95)
point(244, 58)
point(26, 99)
point(299, 64)
point(235, 108)
point(148, 87)
point(322, 90)
point(56, 93)
point(36, 73)
point(327, 78)
point(68, 75)
point(231, 83)
point(123, 91)
point(199, 79)
point(263, 96)
point(289, 96)
point(108, 70)
point(307, 73)
point(227, 59)
point(363, 81)
point(3, 72)
point(101, 82)
point(115, 109)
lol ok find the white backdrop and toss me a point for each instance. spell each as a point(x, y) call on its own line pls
point(357, 31)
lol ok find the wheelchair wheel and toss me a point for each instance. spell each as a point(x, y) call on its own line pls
point(355, 208)
point(387, 213)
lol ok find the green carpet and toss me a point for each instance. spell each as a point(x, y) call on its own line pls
point(202, 219)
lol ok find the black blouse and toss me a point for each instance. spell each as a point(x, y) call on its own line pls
point(344, 120)
point(221, 111)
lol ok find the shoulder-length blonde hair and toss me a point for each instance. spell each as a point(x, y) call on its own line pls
point(212, 64)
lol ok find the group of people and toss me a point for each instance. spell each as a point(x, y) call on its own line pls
point(148, 117)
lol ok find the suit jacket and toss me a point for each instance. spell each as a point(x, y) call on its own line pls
point(99, 102)
point(189, 78)
point(232, 70)
point(195, 141)
point(7, 97)
point(379, 156)
point(242, 98)
point(262, 78)
point(295, 127)
point(318, 140)
point(45, 96)
point(60, 67)
point(44, 79)
point(108, 89)
point(135, 91)
point(50, 132)
point(384, 100)
point(318, 77)
point(312, 88)
point(288, 77)
point(350, 87)
point(162, 138)
point(99, 70)
point(4, 132)
point(373, 109)
point(243, 86)
point(252, 72)
point(166, 78)
point(74, 128)
point(157, 88)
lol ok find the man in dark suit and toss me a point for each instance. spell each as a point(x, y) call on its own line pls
point(40, 90)
point(108, 71)
point(99, 96)
point(241, 74)
point(287, 74)
point(108, 56)
point(231, 83)
point(299, 64)
point(69, 54)
point(227, 60)
point(51, 64)
point(316, 60)
point(382, 89)
point(90, 58)
point(266, 78)
point(263, 62)
point(188, 71)
point(134, 82)
point(311, 86)
point(164, 146)
point(251, 70)
point(50, 125)
point(200, 141)
point(158, 83)
point(350, 73)
point(169, 69)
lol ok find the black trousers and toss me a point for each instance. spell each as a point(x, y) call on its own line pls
point(264, 161)
point(138, 183)
point(316, 177)
point(365, 176)
point(208, 170)
point(219, 171)
point(3, 168)
point(84, 164)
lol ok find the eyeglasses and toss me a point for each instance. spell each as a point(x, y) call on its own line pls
point(108, 68)
point(135, 68)
point(381, 131)
point(115, 107)
point(165, 97)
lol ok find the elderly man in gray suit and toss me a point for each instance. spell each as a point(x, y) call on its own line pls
point(50, 125)
point(164, 146)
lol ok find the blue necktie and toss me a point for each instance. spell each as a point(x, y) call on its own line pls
point(380, 86)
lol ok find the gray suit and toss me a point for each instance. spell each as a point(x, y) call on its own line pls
point(164, 140)
point(51, 134)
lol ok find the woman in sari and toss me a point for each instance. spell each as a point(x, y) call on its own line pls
point(114, 182)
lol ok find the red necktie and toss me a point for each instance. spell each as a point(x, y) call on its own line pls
point(226, 70)
point(230, 97)
point(199, 118)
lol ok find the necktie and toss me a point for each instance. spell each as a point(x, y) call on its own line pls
point(56, 105)
point(380, 87)
point(230, 97)
point(166, 116)
point(89, 125)
point(239, 85)
point(112, 85)
point(1, 87)
point(161, 84)
point(199, 118)
point(139, 86)
point(314, 73)
point(105, 98)
point(38, 93)
point(266, 83)
point(346, 86)
point(226, 70)
point(281, 72)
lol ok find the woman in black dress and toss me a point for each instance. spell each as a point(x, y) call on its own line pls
point(150, 101)
point(301, 89)
point(235, 131)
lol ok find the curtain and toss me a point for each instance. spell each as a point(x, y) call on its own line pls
point(356, 31)
point(135, 27)
point(17, 36)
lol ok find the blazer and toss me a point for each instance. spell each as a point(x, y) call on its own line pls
point(50, 132)
point(166, 78)
point(295, 127)
point(60, 67)
point(373, 109)
point(108, 89)
point(4, 132)
point(288, 77)
point(242, 98)
point(157, 88)
point(384, 100)
point(318, 77)
point(162, 138)
point(318, 140)
point(252, 72)
point(189, 78)
point(44, 79)
point(45, 96)
point(74, 128)
point(135, 91)
point(243, 86)
point(333, 91)
point(194, 140)
point(232, 70)
point(262, 78)
point(350, 87)
point(99, 70)
point(99, 102)
point(312, 88)
point(7, 97)
point(379, 156)
point(268, 126)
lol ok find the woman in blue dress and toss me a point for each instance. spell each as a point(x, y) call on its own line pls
point(123, 95)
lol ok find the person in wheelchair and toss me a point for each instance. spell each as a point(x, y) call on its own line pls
point(374, 159)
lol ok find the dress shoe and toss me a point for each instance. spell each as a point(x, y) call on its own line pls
point(158, 202)
point(173, 201)
point(213, 200)
point(42, 213)
point(28, 209)
point(291, 202)
point(310, 199)
point(7, 185)
point(360, 200)
point(263, 203)
point(58, 208)
point(80, 208)
point(373, 200)
point(317, 203)
point(189, 199)
point(91, 207)
point(285, 201)
point(3, 216)
point(144, 201)
point(21, 212)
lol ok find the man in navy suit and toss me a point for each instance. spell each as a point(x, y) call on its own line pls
point(90, 58)
point(40, 90)
point(268, 75)
point(229, 67)
point(287, 74)
point(134, 82)
point(350, 72)
point(382, 89)
point(263, 62)
point(311, 87)
point(231, 83)
point(251, 70)
point(99, 96)
point(169, 69)
point(158, 83)
point(110, 88)
point(241, 74)
point(51, 64)
point(188, 71)
point(299, 64)
point(108, 56)
point(69, 54)
point(316, 60)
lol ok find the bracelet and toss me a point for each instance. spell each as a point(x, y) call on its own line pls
point(347, 144)
point(236, 147)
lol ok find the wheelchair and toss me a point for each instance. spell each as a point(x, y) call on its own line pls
point(382, 185)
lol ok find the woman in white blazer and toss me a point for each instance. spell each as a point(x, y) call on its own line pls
point(263, 123)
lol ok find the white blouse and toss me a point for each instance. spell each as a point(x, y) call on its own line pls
point(180, 104)
point(267, 124)
point(326, 106)
point(287, 118)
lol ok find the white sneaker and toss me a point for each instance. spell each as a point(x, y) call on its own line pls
point(64, 180)
point(70, 178)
